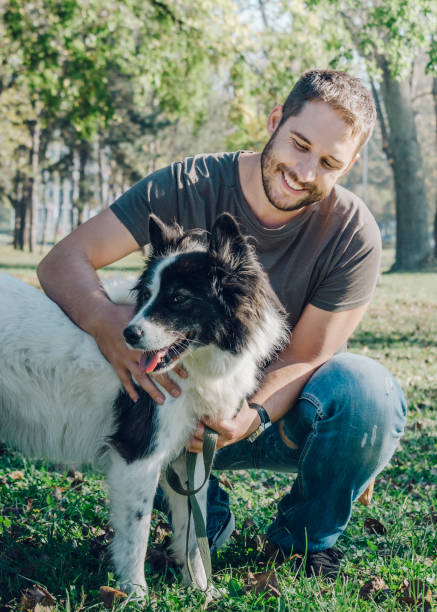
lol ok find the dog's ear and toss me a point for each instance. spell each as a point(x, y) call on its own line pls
point(163, 237)
point(227, 243)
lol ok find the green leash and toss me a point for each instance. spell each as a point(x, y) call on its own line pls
point(209, 444)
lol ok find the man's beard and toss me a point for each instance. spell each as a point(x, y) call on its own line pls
point(270, 167)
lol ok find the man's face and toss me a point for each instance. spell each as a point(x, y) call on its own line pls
point(306, 155)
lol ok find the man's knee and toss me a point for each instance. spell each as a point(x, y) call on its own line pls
point(358, 405)
point(359, 388)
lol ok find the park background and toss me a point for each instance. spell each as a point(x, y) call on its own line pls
point(95, 95)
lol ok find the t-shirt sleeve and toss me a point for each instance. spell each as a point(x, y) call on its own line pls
point(351, 278)
point(154, 194)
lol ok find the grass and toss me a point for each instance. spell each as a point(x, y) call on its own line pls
point(54, 523)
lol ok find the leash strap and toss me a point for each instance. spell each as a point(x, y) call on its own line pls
point(209, 444)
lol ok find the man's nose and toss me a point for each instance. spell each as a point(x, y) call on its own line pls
point(306, 169)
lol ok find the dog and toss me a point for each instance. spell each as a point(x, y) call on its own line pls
point(204, 304)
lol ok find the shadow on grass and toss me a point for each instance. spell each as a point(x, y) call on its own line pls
point(388, 339)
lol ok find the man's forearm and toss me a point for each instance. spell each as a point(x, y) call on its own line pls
point(282, 385)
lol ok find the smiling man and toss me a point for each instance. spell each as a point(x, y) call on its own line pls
point(329, 416)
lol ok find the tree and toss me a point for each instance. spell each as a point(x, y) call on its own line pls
point(65, 53)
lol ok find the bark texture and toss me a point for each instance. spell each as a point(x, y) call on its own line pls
point(413, 245)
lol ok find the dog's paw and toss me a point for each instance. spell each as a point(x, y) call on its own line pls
point(137, 591)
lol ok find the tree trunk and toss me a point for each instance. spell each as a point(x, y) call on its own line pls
point(412, 228)
point(33, 188)
point(434, 94)
point(60, 209)
point(84, 190)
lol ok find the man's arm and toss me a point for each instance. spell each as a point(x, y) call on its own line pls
point(68, 276)
point(316, 337)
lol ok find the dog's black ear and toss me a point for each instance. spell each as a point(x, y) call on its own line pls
point(227, 242)
point(163, 237)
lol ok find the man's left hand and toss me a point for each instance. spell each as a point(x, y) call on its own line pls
point(229, 431)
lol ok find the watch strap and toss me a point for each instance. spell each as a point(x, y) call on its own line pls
point(265, 421)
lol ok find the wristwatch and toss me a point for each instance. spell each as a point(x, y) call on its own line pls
point(265, 421)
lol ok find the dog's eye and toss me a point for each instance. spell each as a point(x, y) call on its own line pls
point(178, 298)
point(146, 295)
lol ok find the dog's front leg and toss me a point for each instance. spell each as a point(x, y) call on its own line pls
point(178, 505)
point(132, 488)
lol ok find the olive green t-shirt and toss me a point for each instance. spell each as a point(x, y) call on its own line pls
point(328, 255)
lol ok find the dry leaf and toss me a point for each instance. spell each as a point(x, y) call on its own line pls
point(37, 599)
point(267, 581)
point(415, 593)
point(224, 480)
point(374, 526)
point(17, 475)
point(108, 595)
point(370, 588)
point(162, 531)
point(57, 493)
point(75, 474)
point(248, 523)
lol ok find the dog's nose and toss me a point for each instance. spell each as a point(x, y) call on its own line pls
point(133, 334)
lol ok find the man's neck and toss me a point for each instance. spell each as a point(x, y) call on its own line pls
point(249, 172)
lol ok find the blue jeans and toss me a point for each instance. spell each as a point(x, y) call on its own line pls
point(341, 432)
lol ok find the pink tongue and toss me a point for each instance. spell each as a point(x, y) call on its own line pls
point(148, 362)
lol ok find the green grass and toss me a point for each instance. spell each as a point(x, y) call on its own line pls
point(54, 529)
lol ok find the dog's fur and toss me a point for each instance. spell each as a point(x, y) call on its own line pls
point(60, 398)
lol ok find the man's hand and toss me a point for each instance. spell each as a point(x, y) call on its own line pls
point(229, 431)
point(108, 333)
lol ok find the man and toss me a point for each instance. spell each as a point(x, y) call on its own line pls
point(336, 417)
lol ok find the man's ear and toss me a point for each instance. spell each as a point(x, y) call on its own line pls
point(274, 119)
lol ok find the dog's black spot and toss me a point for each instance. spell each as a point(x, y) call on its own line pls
point(139, 515)
point(136, 426)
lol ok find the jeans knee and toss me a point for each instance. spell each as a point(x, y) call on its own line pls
point(359, 399)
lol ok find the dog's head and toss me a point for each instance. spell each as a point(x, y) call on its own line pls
point(192, 295)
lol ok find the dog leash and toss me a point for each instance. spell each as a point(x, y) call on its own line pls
point(209, 444)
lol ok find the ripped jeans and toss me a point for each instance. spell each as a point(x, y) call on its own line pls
point(341, 432)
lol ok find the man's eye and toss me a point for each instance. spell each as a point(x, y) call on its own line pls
point(328, 165)
point(299, 146)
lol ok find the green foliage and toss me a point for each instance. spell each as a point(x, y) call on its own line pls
point(398, 30)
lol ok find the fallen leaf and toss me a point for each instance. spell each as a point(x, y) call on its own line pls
point(37, 599)
point(264, 581)
point(75, 474)
point(162, 531)
point(374, 526)
point(415, 593)
point(108, 595)
point(248, 523)
point(370, 588)
point(57, 493)
point(29, 503)
point(224, 480)
point(17, 475)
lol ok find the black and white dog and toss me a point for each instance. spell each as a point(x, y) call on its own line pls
point(209, 307)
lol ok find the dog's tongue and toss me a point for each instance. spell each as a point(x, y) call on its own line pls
point(149, 360)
